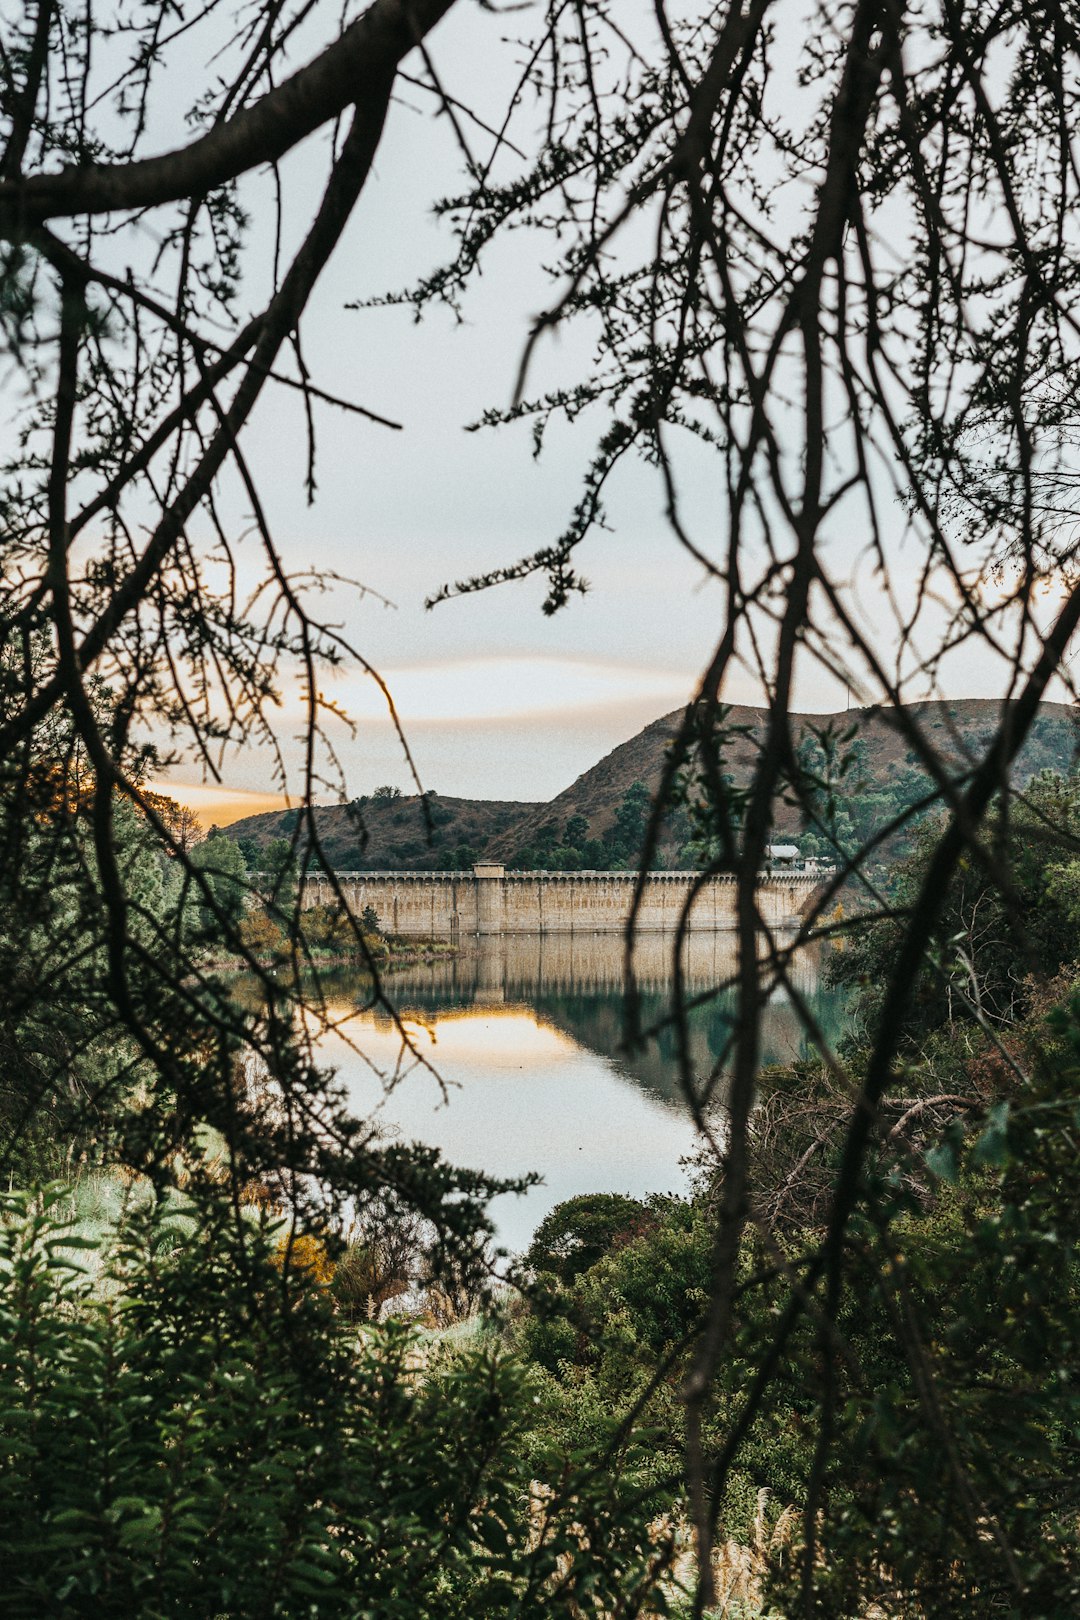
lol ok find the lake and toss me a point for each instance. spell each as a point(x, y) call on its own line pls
point(525, 1033)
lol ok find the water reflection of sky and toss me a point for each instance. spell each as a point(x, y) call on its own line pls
point(521, 1095)
point(526, 1036)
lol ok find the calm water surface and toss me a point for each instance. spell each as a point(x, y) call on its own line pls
point(525, 1036)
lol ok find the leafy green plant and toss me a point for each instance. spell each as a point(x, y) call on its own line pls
point(173, 1445)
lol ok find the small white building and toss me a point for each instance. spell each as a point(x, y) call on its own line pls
point(783, 856)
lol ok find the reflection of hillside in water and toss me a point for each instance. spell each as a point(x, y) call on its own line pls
point(575, 983)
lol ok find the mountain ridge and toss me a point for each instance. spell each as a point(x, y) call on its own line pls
point(387, 831)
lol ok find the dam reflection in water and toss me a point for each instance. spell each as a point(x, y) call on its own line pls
point(526, 1034)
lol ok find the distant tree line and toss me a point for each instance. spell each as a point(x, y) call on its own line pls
point(570, 849)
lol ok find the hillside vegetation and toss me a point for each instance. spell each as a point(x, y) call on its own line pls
point(591, 823)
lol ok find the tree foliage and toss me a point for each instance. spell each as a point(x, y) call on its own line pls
point(185, 1447)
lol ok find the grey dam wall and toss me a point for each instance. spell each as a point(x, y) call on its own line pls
point(489, 900)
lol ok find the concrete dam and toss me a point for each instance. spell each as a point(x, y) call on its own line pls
point(489, 900)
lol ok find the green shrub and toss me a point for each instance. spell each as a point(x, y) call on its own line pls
point(173, 1444)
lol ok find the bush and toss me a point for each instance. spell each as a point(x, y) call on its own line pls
point(579, 1232)
point(174, 1445)
point(263, 937)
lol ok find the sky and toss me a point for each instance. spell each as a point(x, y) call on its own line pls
point(498, 701)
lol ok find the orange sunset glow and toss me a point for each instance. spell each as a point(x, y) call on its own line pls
point(219, 806)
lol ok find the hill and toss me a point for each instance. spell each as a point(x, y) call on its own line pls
point(464, 829)
point(381, 833)
point(959, 730)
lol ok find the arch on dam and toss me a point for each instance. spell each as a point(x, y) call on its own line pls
point(489, 900)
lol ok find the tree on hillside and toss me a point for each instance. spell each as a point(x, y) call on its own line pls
point(628, 830)
point(181, 820)
point(826, 258)
point(576, 830)
point(222, 864)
